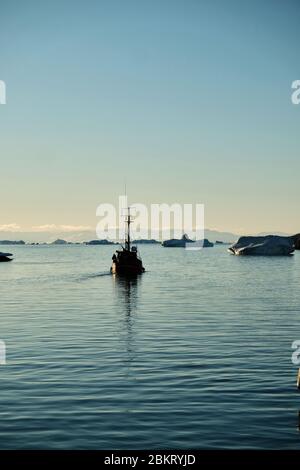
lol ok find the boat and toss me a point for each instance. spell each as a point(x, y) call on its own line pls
point(5, 257)
point(127, 261)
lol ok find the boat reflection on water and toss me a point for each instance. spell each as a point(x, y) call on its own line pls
point(127, 290)
point(127, 295)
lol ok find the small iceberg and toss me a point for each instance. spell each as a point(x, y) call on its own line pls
point(269, 245)
point(296, 239)
point(181, 242)
point(5, 257)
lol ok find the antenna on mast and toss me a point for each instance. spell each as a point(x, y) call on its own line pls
point(128, 220)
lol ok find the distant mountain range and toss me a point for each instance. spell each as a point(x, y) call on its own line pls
point(83, 236)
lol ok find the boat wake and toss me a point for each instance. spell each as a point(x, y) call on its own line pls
point(87, 277)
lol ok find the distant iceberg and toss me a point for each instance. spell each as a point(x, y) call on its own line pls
point(181, 242)
point(296, 239)
point(100, 242)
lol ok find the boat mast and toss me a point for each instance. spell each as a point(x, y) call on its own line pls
point(127, 241)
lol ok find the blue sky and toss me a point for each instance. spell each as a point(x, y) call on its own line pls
point(189, 101)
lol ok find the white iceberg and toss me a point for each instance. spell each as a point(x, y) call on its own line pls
point(269, 245)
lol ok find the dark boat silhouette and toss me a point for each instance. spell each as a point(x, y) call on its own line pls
point(5, 257)
point(127, 261)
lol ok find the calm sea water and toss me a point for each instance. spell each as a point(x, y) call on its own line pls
point(195, 353)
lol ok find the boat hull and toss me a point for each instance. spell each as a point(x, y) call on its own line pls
point(126, 270)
